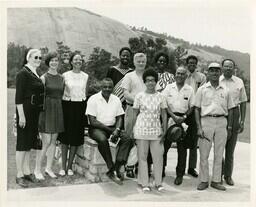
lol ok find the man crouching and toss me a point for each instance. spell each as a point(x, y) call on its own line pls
point(105, 113)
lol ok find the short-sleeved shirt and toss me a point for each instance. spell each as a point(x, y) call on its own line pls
point(236, 88)
point(195, 79)
point(117, 74)
point(148, 125)
point(133, 83)
point(164, 79)
point(213, 101)
point(75, 86)
point(179, 100)
point(105, 112)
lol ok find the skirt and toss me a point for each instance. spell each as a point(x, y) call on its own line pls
point(27, 137)
point(51, 119)
point(74, 123)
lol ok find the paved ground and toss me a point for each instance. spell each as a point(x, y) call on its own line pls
point(130, 192)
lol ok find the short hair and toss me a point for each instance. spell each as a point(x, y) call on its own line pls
point(108, 80)
point(228, 59)
point(150, 72)
point(125, 48)
point(72, 56)
point(139, 55)
point(50, 56)
point(191, 57)
point(159, 54)
point(28, 53)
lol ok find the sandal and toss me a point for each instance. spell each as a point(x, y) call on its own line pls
point(70, 172)
point(50, 173)
point(62, 173)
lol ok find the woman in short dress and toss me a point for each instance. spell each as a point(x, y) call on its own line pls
point(74, 105)
point(29, 101)
point(149, 106)
point(51, 119)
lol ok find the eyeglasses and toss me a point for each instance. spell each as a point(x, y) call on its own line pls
point(38, 57)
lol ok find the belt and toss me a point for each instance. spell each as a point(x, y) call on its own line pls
point(129, 104)
point(215, 115)
point(179, 114)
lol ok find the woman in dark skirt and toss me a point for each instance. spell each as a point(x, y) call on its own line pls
point(29, 101)
point(51, 119)
point(74, 105)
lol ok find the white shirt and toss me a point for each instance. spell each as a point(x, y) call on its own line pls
point(236, 88)
point(213, 101)
point(105, 112)
point(75, 86)
point(179, 100)
point(195, 79)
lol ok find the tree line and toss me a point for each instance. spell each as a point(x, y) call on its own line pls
point(100, 60)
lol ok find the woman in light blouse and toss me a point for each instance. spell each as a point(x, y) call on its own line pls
point(74, 105)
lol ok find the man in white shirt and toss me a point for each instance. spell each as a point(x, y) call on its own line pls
point(238, 94)
point(180, 100)
point(105, 112)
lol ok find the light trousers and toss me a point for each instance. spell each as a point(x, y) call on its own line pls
point(157, 151)
point(215, 130)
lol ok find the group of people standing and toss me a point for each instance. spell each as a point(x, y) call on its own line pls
point(149, 108)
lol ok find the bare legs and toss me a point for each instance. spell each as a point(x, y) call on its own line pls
point(49, 141)
point(64, 154)
point(20, 157)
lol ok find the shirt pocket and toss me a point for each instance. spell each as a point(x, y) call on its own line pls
point(207, 99)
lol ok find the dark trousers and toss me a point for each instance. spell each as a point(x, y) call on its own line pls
point(228, 161)
point(189, 141)
point(124, 146)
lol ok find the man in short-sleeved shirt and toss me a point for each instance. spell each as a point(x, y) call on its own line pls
point(195, 79)
point(105, 112)
point(213, 103)
point(238, 94)
point(180, 101)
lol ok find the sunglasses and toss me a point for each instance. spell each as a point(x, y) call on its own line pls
point(38, 57)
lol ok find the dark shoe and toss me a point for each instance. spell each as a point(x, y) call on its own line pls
point(217, 186)
point(31, 178)
point(112, 175)
point(21, 182)
point(192, 172)
point(202, 186)
point(119, 175)
point(130, 174)
point(178, 180)
point(229, 180)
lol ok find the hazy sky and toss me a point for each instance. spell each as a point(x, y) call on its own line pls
point(226, 23)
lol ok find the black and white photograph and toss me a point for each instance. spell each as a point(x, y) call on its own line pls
point(139, 102)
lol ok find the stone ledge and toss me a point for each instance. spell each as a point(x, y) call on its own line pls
point(90, 163)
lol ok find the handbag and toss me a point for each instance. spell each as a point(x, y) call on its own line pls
point(38, 143)
point(133, 156)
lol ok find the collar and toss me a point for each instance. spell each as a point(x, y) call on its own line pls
point(191, 74)
point(222, 77)
point(33, 69)
point(174, 85)
point(102, 98)
point(209, 85)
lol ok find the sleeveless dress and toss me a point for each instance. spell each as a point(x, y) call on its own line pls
point(51, 119)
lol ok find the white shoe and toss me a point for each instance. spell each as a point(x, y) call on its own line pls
point(70, 172)
point(62, 173)
point(39, 176)
point(50, 173)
